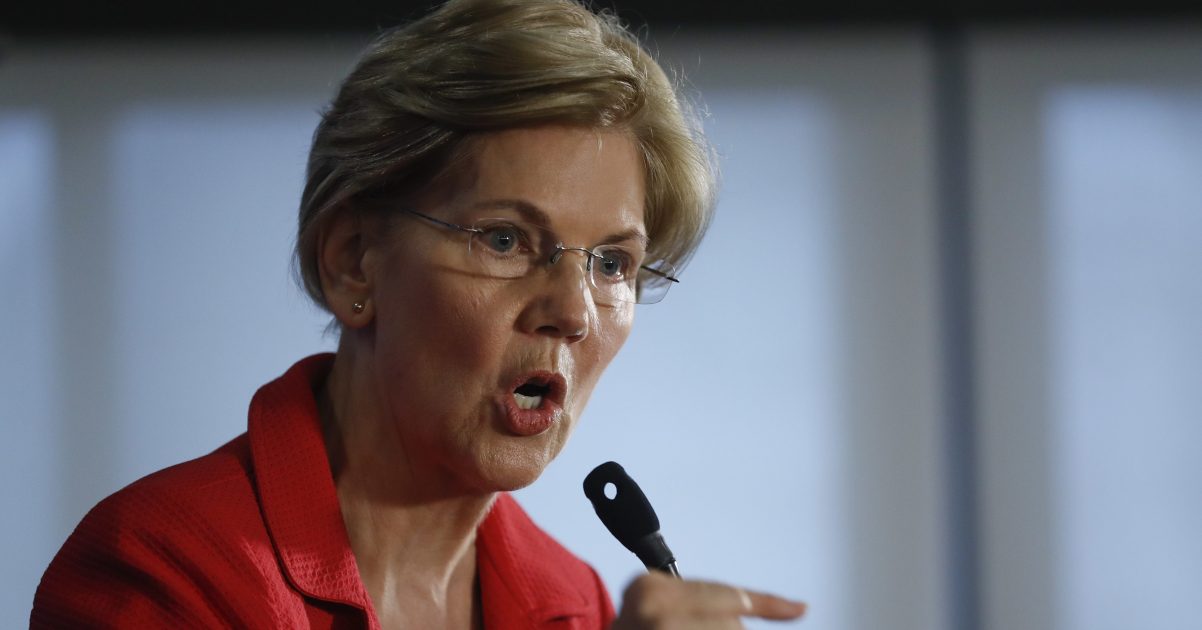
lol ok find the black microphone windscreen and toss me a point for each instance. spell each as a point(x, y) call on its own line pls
point(628, 515)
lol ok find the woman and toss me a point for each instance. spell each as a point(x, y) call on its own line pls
point(493, 189)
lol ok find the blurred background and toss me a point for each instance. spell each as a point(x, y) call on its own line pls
point(938, 365)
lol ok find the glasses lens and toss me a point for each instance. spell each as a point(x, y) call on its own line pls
point(654, 280)
point(614, 275)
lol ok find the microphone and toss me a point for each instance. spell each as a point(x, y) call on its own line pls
point(629, 517)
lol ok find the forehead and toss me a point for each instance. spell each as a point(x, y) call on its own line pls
point(581, 179)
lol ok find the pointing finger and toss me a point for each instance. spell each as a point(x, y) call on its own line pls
point(713, 598)
point(767, 606)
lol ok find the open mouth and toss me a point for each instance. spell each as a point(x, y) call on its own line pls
point(529, 395)
point(534, 402)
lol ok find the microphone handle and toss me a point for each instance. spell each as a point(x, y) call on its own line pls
point(654, 553)
point(670, 569)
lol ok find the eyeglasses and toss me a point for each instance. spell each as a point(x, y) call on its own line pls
point(508, 248)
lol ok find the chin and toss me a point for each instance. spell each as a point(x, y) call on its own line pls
point(512, 469)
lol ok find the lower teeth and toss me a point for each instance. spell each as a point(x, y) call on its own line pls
point(527, 402)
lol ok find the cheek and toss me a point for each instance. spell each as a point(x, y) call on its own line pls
point(470, 336)
point(614, 334)
point(440, 334)
point(600, 349)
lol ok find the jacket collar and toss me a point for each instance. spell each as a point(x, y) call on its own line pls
point(296, 488)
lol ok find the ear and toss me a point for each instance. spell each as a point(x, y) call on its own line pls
point(345, 259)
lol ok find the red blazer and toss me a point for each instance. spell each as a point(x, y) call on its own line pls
point(251, 536)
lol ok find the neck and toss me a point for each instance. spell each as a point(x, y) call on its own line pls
point(412, 535)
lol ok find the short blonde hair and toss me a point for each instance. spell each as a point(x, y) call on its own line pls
point(475, 66)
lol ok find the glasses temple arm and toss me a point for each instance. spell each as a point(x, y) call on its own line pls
point(440, 221)
point(659, 273)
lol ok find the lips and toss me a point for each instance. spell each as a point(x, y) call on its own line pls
point(533, 402)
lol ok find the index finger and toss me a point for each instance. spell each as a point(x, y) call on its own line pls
point(712, 598)
point(768, 606)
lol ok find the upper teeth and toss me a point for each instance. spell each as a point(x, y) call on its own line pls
point(527, 402)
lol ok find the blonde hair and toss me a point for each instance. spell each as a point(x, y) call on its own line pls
point(475, 66)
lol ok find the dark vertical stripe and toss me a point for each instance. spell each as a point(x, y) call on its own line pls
point(953, 169)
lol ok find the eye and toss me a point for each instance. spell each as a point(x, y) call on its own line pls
point(503, 238)
point(614, 264)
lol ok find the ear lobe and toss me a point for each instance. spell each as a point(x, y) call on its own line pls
point(344, 262)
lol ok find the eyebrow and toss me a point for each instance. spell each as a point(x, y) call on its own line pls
point(534, 214)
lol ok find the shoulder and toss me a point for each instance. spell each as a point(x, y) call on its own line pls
point(537, 568)
point(174, 548)
point(198, 499)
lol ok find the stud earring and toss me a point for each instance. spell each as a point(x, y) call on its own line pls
point(357, 307)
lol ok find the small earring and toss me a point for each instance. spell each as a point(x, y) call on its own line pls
point(357, 307)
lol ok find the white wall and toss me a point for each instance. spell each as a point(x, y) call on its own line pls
point(1089, 153)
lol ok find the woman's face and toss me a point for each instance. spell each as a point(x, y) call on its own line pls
point(451, 345)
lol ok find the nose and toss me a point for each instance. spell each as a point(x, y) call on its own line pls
point(562, 305)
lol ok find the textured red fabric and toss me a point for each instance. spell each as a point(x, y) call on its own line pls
point(251, 536)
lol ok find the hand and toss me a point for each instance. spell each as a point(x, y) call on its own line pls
point(660, 602)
